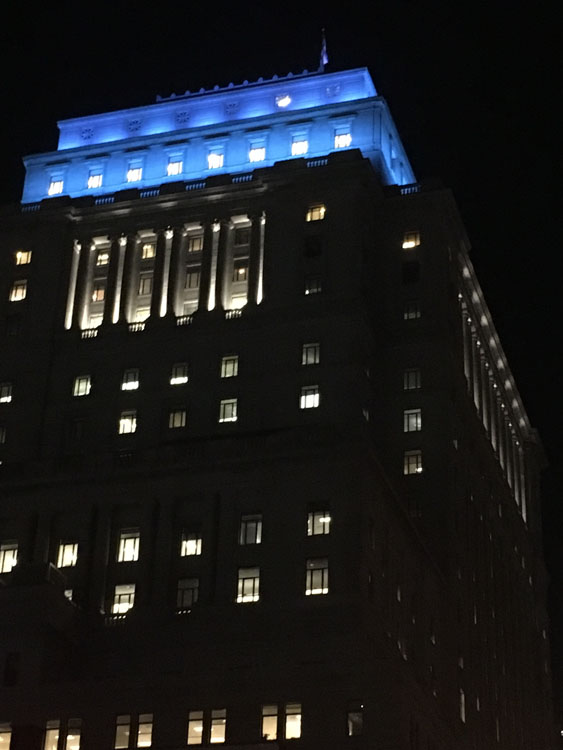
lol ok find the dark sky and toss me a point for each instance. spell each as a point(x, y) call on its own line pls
point(474, 89)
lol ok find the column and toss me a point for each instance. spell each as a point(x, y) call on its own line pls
point(127, 280)
point(484, 393)
point(175, 275)
point(501, 434)
point(206, 263)
point(158, 286)
point(71, 294)
point(254, 259)
point(111, 307)
point(222, 250)
point(84, 280)
point(475, 373)
point(95, 589)
point(493, 414)
point(466, 352)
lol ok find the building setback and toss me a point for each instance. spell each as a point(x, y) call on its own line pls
point(266, 479)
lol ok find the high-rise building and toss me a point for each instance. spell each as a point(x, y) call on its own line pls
point(266, 479)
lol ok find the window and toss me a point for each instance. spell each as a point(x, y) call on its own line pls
point(18, 290)
point(141, 314)
point(179, 374)
point(410, 240)
point(270, 722)
point(99, 291)
point(310, 397)
point(82, 385)
point(240, 269)
point(355, 721)
point(195, 243)
point(95, 180)
point(128, 546)
point(175, 167)
point(311, 353)
point(215, 160)
point(5, 736)
point(190, 544)
point(229, 366)
point(299, 146)
point(342, 140)
point(177, 419)
point(5, 393)
point(313, 246)
point(313, 284)
point(148, 250)
point(257, 153)
point(8, 556)
point(412, 420)
point(67, 555)
point(316, 212)
point(292, 721)
point(228, 410)
point(412, 462)
point(195, 728)
point(218, 725)
point(187, 593)
point(72, 740)
point(51, 740)
point(241, 236)
point(130, 380)
point(102, 258)
point(248, 589)
point(411, 380)
point(250, 529)
point(411, 310)
point(123, 598)
point(411, 272)
point(144, 730)
point(212, 730)
point(55, 187)
point(316, 577)
point(192, 277)
point(122, 730)
point(145, 283)
point(134, 174)
point(318, 522)
point(23, 257)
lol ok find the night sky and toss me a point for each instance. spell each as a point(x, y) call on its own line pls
point(474, 89)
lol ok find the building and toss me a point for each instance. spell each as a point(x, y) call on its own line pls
point(266, 480)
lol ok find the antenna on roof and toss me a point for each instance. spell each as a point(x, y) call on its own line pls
point(324, 56)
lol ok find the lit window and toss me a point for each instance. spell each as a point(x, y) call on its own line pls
point(67, 555)
point(299, 146)
point(5, 393)
point(229, 366)
point(102, 259)
point(215, 160)
point(270, 722)
point(292, 721)
point(130, 380)
point(248, 589)
point(177, 419)
point(318, 522)
point(316, 212)
point(342, 140)
point(74, 729)
point(412, 420)
point(82, 385)
point(218, 725)
point(411, 310)
point(55, 187)
point(128, 546)
point(23, 257)
point(238, 301)
point(122, 730)
point(195, 728)
point(412, 462)
point(410, 240)
point(123, 598)
point(141, 314)
point(193, 275)
point(355, 721)
point(144, 730)
point(128, 422)
point(310, 397)
point(8, 556)
point(95, 320)
point(190, 544)
point(175, 167)
point(242, 236)
point(51, 740)
point(5, 736)
point(145, 283)
point(257, 153)
point(187, 593)
point(313, 285)
point(411, 380)
point(311, 353)
point(283, 100)
point(195, 243)
point(228, 410)
point(316, 577)
point(462, 705)
point(250, 529)
point(18, 291)
point(99, 291)
point(95, 180)
point(134, 174)
point(179, 374)
point(148, 250)
point(240, 269)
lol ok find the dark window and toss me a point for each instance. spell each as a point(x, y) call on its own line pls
point(411, 272)
point(313, 246)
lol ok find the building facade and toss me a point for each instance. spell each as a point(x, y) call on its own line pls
point(266, 478)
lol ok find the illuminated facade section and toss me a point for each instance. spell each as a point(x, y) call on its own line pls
point(187, 136)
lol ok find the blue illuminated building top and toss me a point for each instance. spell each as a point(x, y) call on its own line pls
point(235, 129)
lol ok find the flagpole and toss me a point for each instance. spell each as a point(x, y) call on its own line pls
point(324, 56)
